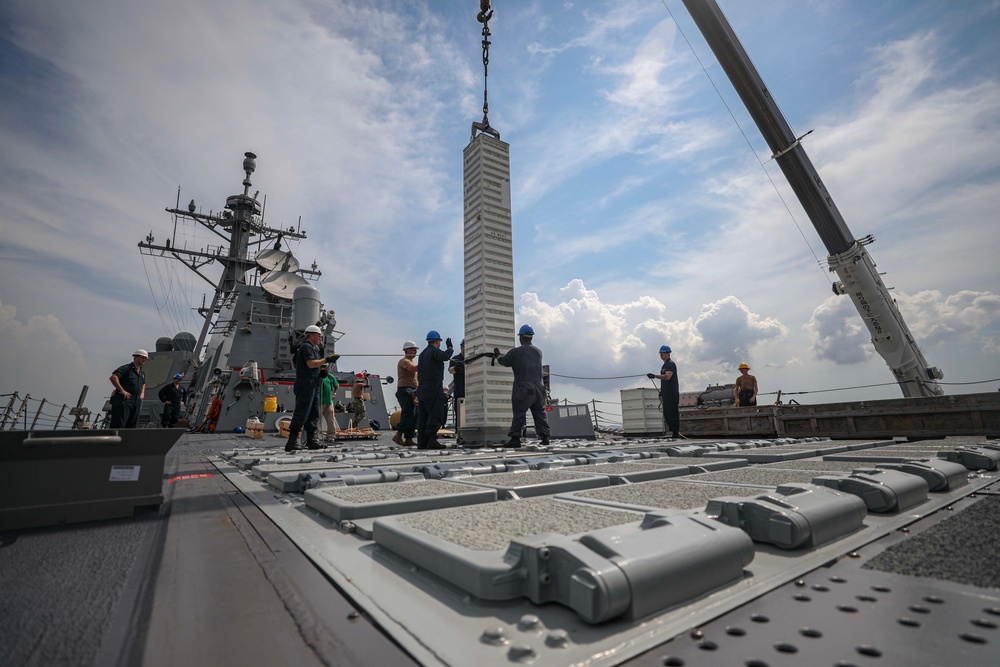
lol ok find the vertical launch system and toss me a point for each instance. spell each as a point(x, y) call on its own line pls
point(489, 272)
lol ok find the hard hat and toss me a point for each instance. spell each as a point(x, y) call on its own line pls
point(526, 330)
point(433, 335)
point(410, 345)
point(742, 366)
point(178, 377)
point(664, 348)
point(359, 376)
point(462, 343)
point(141, 353)
point(312, 328)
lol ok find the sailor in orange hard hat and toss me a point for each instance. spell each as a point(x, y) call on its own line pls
point(745, 390)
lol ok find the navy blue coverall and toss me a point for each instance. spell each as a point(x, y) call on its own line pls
point(528, 392)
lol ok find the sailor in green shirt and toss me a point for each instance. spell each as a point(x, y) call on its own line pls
point(328, 390)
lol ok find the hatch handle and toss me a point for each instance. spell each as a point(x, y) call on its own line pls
point(75, 440)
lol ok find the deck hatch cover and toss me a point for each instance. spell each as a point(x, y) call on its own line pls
point(792, 516)
point(298, 481)
point(882, 490)
point(973, 458)
point(940, 475)
point(601, 563)
point(343, 503)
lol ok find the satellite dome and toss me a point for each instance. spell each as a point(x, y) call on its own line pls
point(184, 341)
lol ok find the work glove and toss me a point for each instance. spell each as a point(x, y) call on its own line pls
point(496, 353)
point(650, 376)
point(447, 343)
point(330, 358)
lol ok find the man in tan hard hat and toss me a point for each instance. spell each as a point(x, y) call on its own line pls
point(130, 388)
point(745, 391)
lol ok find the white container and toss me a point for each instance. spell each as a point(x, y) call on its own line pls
point(641, 411)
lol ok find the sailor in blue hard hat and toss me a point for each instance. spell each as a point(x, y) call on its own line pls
point(670, 395)
point(528, 390)
point(432, 405)
point(172, 396)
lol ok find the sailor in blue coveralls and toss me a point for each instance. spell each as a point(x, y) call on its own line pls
point(430, 390)
point(307, 390)
point(670, 394)
point(528, 392)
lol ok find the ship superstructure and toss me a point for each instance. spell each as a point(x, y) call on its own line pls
point(242, 363)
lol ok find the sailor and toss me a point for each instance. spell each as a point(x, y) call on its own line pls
point(171, 395)
point(430, 390)
point(358, 402)
point(307, 390)
point(457, 368)
point(406, 392)
point(670, 394)
point(130, 388)
point(745, 390)
point(327, 393)
point(528, 391)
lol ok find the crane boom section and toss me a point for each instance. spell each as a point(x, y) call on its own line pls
point(848, 257)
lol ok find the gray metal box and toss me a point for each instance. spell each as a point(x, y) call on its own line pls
point(56, 477)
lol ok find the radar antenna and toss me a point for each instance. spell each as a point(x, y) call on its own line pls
point(484, 16)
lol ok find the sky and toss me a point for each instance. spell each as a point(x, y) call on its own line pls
point(646, 208)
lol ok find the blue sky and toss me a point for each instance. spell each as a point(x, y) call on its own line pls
point(641, 214)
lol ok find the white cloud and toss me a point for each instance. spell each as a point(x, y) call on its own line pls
point(584, 337)
point(45, 347)
point(837, 333)
point(964, 317)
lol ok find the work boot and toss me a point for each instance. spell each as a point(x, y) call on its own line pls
point(545, 441)
point(293, 441)
point(514, 442)
point(398, 438)
point(675, 435)
point(312, 442)
point(409, 443)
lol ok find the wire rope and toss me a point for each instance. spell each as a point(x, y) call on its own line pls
point(704, 69)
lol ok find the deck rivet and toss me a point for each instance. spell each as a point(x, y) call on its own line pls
point(528, 621)
point(521, 652)
point(557, 639)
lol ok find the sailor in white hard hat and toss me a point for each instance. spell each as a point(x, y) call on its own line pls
point(308, 361)
point(129, 382)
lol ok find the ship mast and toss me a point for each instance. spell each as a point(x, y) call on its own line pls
point(236, 227)
point(848, 257)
